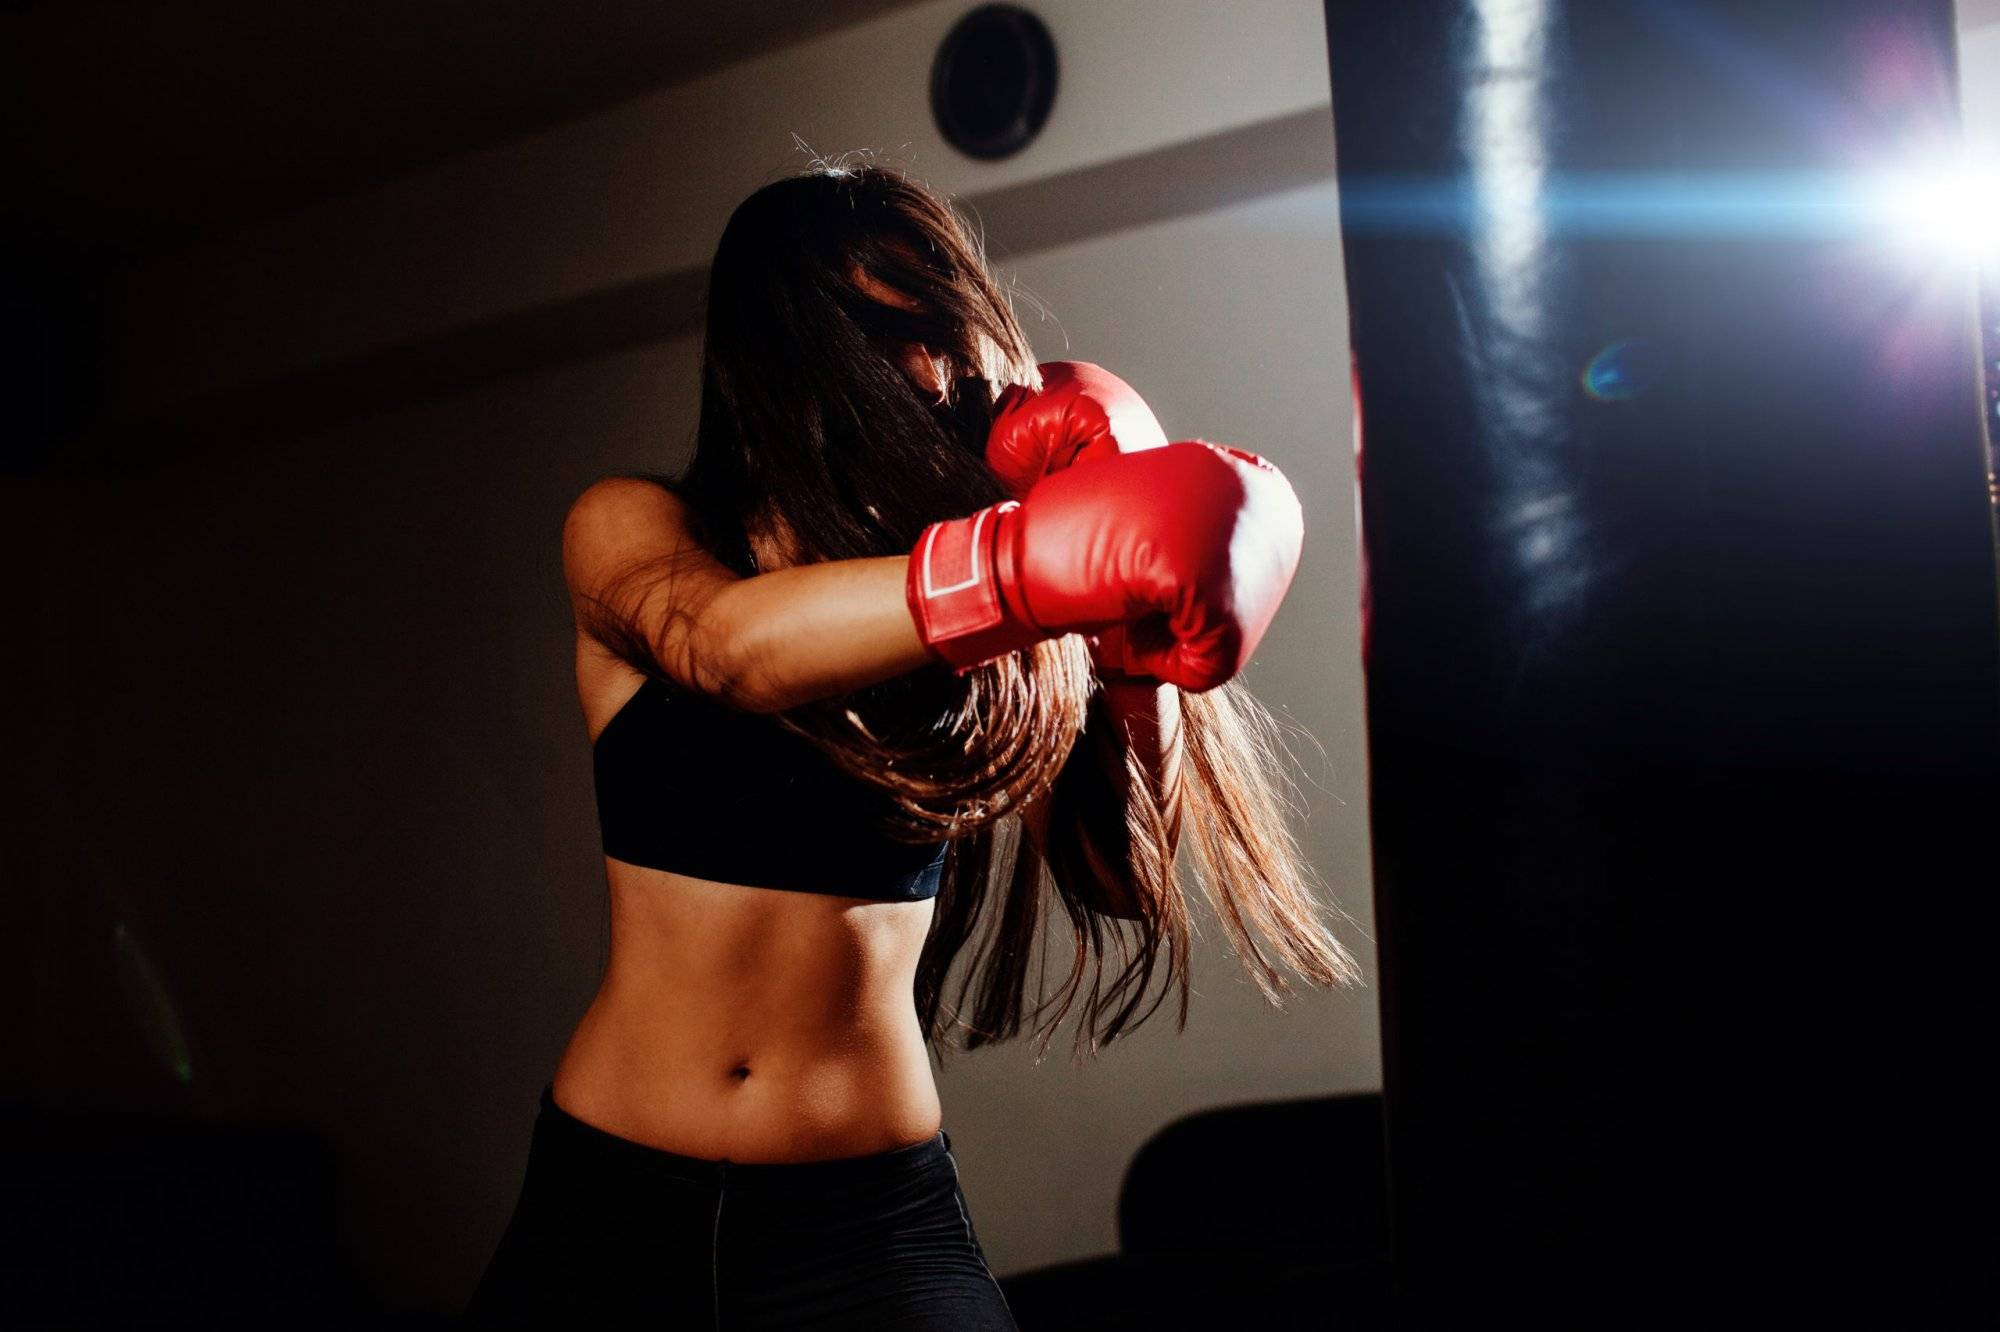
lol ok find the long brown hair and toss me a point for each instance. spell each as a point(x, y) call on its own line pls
point(812, 434)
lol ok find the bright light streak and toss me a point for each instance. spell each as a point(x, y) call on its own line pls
point(1952, 210)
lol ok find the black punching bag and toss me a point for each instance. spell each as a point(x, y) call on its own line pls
point(1683, 669)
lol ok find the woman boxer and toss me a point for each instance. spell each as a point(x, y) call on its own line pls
point(912, 597)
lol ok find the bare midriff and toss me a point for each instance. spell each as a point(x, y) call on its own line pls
point(753, 1024)
point(747, 1023)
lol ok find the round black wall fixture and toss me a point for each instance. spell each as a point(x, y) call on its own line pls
point(994, 81)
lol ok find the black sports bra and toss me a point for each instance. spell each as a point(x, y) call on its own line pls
point(744, 801)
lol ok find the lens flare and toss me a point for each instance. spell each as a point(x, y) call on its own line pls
point(1952, 210)
point(159, 1017)
point(1621, 371)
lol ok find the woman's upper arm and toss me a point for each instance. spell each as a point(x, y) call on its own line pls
point(641, 585)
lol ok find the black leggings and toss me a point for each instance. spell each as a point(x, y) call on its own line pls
point(611, 1231)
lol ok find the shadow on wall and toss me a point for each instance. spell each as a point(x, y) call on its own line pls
point(1249, 1215)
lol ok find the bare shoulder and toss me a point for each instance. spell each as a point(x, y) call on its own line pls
point(622, 523)
point(623, 514)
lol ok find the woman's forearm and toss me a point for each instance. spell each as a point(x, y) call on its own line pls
point(812, 631)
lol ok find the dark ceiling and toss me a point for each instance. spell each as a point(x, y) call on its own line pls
point(140, 127)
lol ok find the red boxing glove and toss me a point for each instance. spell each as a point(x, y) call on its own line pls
point(1111, 650)
point(1199, 540)
point(1084, 412)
